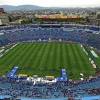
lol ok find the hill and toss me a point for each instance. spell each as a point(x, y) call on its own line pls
point(21, 8)
point(9, 8)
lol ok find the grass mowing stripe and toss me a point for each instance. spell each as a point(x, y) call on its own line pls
point(26, 68)
point(27, 56)
point(39, 46)
point(57, 60)
point(84, 58)
point(7, 55)
point(61, 57)
point(39, 56)
point(23, 53)
point(11, 57)
point(88, 69)
point(19, 53)
point(55, 63)
point(72, 59)
point(47, 57)
point(52, 59)
point(24, 50)
point(43, 67)
point(67, 55)
point(12, 61)
point(65, 62)
point(7, 63)
point(18, 56)
point(31, 59)
point(50, 56)
point(53, 55)
point(81, 62)
point(78, 59)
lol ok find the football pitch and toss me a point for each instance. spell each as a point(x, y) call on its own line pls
point(47, 59)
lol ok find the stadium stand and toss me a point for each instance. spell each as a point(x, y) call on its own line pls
point(82, 34)
point(80, 89)
point(88, 35)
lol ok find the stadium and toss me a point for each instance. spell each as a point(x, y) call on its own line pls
point(61, 60)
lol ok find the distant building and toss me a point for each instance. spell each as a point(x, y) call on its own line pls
point(4, 19)
point(1, 10)
point(57, 16)
point(98, 18)
point(91, 20)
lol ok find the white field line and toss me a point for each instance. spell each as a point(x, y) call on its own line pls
point(94, 54)
point(2, 50)
point(8, 50)
point(84, 50)
point(90, 59)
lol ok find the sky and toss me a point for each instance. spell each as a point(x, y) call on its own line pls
point(53, 3)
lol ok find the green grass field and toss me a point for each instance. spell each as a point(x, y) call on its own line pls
point(47, 59)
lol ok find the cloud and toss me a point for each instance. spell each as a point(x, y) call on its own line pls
point(53, 3)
